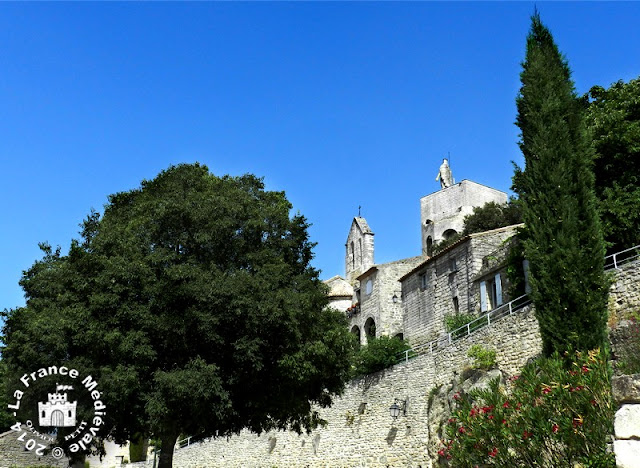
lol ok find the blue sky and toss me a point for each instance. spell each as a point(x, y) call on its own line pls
point(337, 104)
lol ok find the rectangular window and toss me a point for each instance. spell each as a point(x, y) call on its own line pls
point(483, 297)
point(498, 287)
point(456, 305)
point(423, 281)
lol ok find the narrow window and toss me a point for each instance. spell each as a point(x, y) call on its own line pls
point(456, 305)
point(483, 296)
point(498, 288)
point(353, 257)
point(424, 282)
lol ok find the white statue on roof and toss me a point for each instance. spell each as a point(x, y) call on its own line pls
point(444, 174)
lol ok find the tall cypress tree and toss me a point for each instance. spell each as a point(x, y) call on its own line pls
point(563, 237)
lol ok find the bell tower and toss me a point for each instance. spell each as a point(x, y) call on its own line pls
point(359, 249)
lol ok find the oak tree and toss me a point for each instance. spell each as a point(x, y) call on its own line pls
point(193, 301)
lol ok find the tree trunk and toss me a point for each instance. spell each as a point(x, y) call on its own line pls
point(166, 454)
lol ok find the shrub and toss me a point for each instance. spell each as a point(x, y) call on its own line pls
point(559, 414)
point(483, 358)
point(378, 354)
point(453, 322)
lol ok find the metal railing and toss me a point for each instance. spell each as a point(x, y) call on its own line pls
point(614, 261)
point(611, 262)
point(487, 319)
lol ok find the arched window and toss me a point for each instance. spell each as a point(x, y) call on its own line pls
point(353, 256)
point(429, 246)
point(400, 336)
point(370, 328)
point(449, 233)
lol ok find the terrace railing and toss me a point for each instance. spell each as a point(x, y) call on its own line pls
point(487, 319)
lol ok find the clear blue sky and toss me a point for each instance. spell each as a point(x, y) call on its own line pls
point(338, 104)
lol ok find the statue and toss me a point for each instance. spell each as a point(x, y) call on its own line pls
point(444, 174)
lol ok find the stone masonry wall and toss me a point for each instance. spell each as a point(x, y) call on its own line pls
point(626, 394)
point(360, 430)
point(624, 296)
point(14, 453)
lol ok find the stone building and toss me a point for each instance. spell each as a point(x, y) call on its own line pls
point(466, 278)
point(410, 297)
point(442, 213)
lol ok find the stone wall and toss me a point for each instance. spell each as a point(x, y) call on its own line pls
point(624, 296)
point(626, 394)
point(14, 453)
point(360, 430)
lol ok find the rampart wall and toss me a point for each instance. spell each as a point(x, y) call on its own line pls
point(360, 430)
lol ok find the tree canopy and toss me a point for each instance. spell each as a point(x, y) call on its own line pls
point(193, 301)
point(613, 117)
point(563, 236)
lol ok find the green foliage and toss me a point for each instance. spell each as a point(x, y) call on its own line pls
point(559, 414)
point(452, 322)
point(137, 448)
point(186, 296)
point(6, 418)
point(492, 215)
point(563, 236)
point(443, 244)
point(613, 116)
point(378, 354)
point(483, 358)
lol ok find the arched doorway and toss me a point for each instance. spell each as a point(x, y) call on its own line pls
point(356, 332)
point(370, 328)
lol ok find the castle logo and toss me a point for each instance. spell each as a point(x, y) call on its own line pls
point(67, 421)
point(57, 412)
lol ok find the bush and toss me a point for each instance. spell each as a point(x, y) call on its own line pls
point(378, 354)
point(559, 414)
point(483, 358)
point(455, 321)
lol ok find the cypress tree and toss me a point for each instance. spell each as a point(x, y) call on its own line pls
point(563, 237)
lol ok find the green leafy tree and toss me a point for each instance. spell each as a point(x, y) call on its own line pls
point(378, 354)
point(492, 215)
point(6, 419)
point(563, 236)
point(193, 301)
point(613, 116)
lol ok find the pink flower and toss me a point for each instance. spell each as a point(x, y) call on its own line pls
point(456, 396)
point(555, 428)
point(505, 404)
point(462, 430)
point(546, 390)
point(585, 369)
point(493, 452)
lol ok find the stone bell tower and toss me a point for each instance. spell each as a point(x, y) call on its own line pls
point(359, 249)
point(442, 213)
